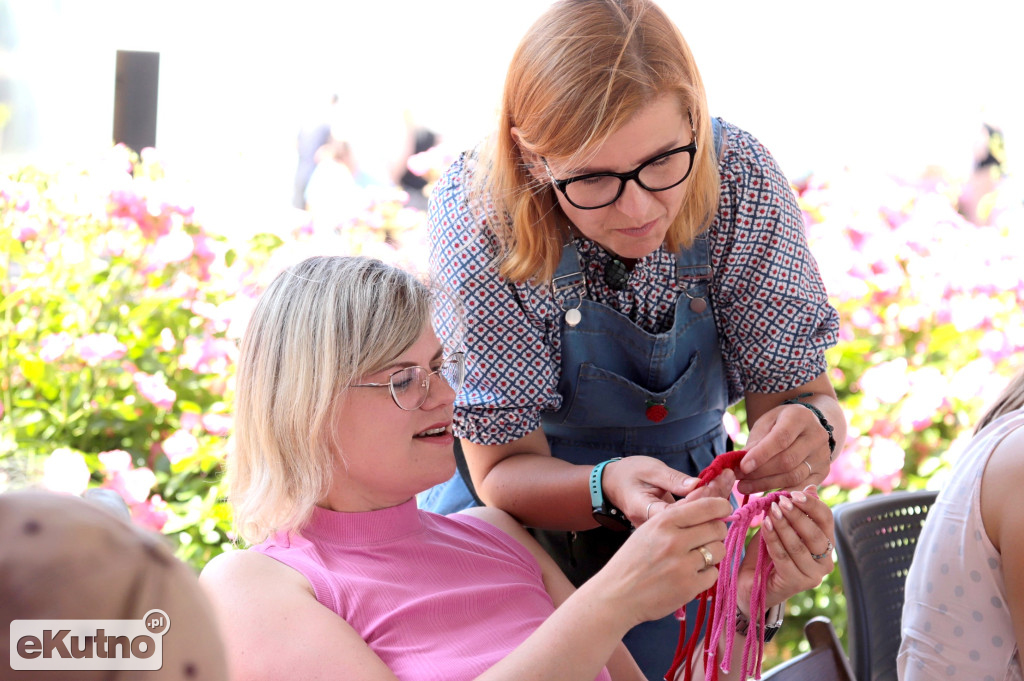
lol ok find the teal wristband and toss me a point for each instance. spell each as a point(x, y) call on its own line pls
point(605, 513)
point(596, 490)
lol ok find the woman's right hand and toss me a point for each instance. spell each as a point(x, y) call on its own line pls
point(661, 566)
point(642, 486)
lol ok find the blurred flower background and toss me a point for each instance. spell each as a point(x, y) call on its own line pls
point(127, 278)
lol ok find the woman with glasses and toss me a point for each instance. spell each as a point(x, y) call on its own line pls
point(343, 414)
point(629, 267)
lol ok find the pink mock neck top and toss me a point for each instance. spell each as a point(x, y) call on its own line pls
point(435, 597)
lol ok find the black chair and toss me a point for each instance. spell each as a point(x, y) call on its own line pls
point(825, 661)
point(875, 542)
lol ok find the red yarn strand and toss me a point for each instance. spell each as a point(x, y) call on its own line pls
point(722, 597)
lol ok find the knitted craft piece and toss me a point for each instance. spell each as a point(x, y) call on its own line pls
point(722, 597)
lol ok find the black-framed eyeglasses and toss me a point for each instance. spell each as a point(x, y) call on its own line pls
point(597, 190)
point(409, 387)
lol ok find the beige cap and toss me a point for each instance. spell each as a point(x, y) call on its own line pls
point(66, 558)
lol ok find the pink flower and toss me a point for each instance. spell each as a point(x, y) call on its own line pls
point(25, 232)
point(204, 254)
point(189, 421)
point(886, 460)
point(55, 345)
point(217, 424)
point(886, 382)
point(208, 356)
point(181, 444)
point(175, 246)
point(152, 513)
point(65, 471)
point(116, 461)
point(732, 426)
point(97, 347)
point(848, 469)
point(138, 482)
point(154, 388)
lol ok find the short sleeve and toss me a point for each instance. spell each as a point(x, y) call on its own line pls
point(512, 357)
point(772, 308)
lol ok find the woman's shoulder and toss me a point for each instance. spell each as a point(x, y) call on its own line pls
point(745, 158)
point(246, 568)
point(1002, 478)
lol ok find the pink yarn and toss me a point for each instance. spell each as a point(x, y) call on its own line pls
point(726, 592)
point(724, 595)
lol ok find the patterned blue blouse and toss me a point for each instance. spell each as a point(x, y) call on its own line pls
point(770, 305)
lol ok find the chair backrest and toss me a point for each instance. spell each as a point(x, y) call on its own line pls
point(825, 661)
point(875, 542)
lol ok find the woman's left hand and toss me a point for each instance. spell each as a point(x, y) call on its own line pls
point(788, 446)
point(798, 534)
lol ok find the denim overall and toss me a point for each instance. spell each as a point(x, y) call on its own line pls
point(611, 372)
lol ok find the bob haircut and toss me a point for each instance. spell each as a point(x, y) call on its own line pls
point(318, 327)
point(581, 72)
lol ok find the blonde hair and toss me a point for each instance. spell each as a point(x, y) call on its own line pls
point(1010, 399)
point(582, 71)
point(319, 326)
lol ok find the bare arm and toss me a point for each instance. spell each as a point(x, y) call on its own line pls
point(274, 628)
point(783, 437)
point(621, 664)
point(1002, 511)
point(540, 490)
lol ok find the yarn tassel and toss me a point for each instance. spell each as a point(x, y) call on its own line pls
point(722, 597)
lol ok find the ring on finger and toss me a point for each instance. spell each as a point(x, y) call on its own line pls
point(649, 509)
point(827, 551)
point(708, 558)
point(810, 471)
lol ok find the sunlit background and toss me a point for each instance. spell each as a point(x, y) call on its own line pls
point(123, 294)
point(877, 86)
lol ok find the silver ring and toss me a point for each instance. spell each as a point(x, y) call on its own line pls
point(708, 558)
point(810, 471)
point(649, 508)
point(827, 551)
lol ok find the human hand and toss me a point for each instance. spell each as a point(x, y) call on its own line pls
point(798, 533)
point(642, 486)
point(787, 449)
point(669, 561)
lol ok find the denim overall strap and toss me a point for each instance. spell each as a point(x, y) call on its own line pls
point(612, 371)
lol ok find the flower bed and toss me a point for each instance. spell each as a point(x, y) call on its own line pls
point(120, 312)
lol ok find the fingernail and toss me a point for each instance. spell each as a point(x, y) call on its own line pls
point(799, 497)
point(689, 484)
point(812, 490)
point(786, 503)
point(776, 511)
point(768, 525)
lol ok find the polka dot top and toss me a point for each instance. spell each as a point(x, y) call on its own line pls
point(956, 624)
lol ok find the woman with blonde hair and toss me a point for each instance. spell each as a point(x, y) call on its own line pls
point(630, 266)
point(963, 610)
point(343, 415)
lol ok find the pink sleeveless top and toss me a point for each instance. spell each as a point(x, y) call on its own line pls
point(435, 597)
point(956, 624)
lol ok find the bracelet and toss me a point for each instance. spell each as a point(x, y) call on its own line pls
point(772, 622)
point(821, 419)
